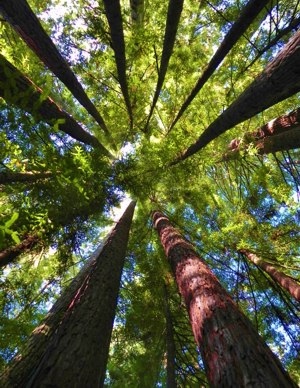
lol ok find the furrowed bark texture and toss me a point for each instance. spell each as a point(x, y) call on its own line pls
point(78, 328)
point(20, 16)
point(7, 177)
point(171, 349)
point(284, 141)
point(20, 91)
point(10, 254)
point(280, 80)
point(250, 12)
point(173, 16)
point(279, 134)
point(114, 17)
point(233, 353)
point(17, 372)
point(290, 285)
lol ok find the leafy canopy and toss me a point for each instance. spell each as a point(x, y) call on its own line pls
point(250, 202)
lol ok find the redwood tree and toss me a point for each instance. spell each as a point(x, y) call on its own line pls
point(71, 347)
point(233, 353)
point(9, 254)
point(20, 91)
point(26, 24)
point(280, 80)
point(277, 135)
point(286, 282)
point(249, 13)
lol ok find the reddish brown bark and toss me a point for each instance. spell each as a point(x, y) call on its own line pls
point(10, 254)
point(20, 91)
point(279, 277)
point(280, 80)
point(250, 12)
point(233, 353)
point(70, 349)
point(274, 127)
point(26, 24)
point(288, 139)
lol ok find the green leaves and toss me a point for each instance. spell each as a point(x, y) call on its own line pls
point(6, 229)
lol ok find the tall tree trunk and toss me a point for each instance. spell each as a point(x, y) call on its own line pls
point(290, 285)
point(10, 254)
point(173, 16)
point(171, 349)
point(280, 80)
point(249, 13)
point(114, 17)
point(26, 24)
point(7, 177)
point(278, 134)
point(70, 348)
point(20, 91)
point(233, 353)
point(286, 141)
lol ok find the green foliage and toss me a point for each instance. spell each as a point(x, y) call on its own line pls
point(250, 202)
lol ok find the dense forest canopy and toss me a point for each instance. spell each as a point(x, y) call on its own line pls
point(169, 103)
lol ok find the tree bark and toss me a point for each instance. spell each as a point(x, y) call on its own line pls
point(114, 17)
point(20, 91)
point(279, 134)
point(20, 16)
point(10, 254)
point(171, 349)
point(233, 353)
point(249, 13)
point(290, 285)
point(7, 177)
point(286, 141)
point(280, 80)
point(70, 348)
point(173, 16)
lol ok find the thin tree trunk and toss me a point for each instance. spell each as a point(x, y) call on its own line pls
point(173, 16)
point(249, 13)
point(70, 348)
point(10, 254)
point(137, 12)
point(26, 24)
point(233, 353)
point(290, 285)
point(171, 349)
point(280, 80)
point(114, 17)
point(7, 177)
point(20, 91)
